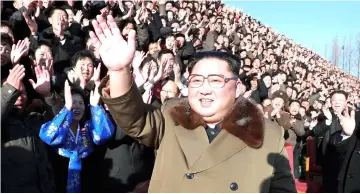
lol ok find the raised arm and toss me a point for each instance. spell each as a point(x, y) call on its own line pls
point(10, 91)
point(102, 126)
point(118, 90)
point(55, 131)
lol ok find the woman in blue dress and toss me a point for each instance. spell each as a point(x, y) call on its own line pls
point(74, 136)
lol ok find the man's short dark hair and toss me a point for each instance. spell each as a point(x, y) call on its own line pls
point(6, 39)
point(339, 92)
point(231, 60)
point(82, 55)
point(58, 8)
point(294, 101)
point(164, 52)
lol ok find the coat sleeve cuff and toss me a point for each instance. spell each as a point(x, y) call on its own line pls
point(104, 90)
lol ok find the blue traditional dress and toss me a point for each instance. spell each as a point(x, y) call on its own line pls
point(57, 133)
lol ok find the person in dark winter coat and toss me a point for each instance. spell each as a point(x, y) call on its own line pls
point(24, 163)
point(345, 146)
point(325, 129)
point(126, 165)
point(64, 44)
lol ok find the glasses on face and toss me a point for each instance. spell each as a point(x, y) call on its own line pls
point(214, 80)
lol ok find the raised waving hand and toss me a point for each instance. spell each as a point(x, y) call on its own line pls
point(116, 53)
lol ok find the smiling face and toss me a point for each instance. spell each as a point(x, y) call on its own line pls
point(42, 54)
point(338, 102)
point(78, 107)
point(169, 90)
point(5, 50)
point(59, 18)
point(85, 66)
point(213, 103)
point(294, 108)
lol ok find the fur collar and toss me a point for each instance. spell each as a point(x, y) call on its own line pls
point(244, 121)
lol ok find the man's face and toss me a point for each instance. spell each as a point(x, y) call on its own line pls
point(256, 63)
point(59, 18)
point(168, 6)
point(278, 103)
point(213, 103)
point(338, 103)
point(85, 67)
point(282, 77)
point(127, 28)
point(169, 90)
point(294, 108)
point(5, 50)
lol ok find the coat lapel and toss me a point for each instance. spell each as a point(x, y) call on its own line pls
point(192, 142)
point(224, 146)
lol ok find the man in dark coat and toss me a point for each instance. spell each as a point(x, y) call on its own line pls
point(64, 44)
point(345, 147)
point(24, 163)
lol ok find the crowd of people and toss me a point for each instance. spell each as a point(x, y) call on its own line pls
point(110, 96)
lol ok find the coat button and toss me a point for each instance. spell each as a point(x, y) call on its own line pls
point(350, 176)
point(189, 175)
point(234, 186)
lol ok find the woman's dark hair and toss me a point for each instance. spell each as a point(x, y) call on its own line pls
point(231, 60)
point(82, 55)
point(40, 43)
point(87, 114)
point(122, 23)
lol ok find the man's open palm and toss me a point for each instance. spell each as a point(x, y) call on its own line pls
point(116, 53)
